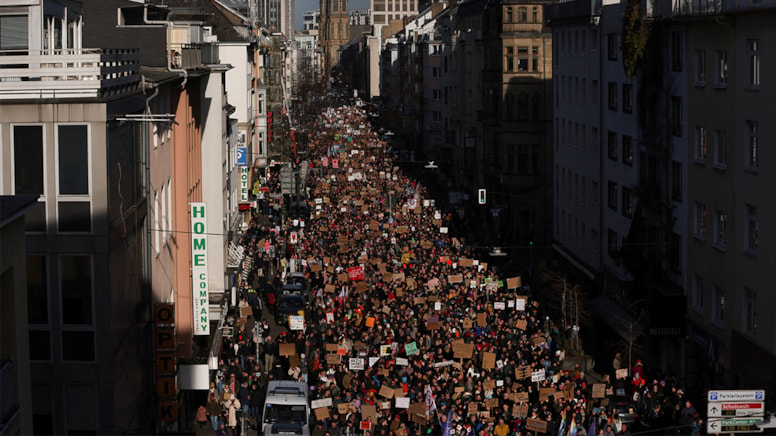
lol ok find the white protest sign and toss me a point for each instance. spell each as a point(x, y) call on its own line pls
point(357, 363)
point(323, 402)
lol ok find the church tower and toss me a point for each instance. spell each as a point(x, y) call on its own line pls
point(334, 31)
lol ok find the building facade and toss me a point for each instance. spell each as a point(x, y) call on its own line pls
point(334, 31)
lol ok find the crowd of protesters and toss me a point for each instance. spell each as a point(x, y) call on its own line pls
point(407, 331)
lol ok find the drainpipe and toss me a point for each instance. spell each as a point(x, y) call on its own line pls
point(146, 163)
point(168, 25)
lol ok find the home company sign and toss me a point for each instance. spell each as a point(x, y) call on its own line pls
point(199, 269)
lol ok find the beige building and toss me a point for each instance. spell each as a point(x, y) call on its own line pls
point(384, 11)
point(334, 31)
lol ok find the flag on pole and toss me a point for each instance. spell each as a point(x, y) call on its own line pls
point(573, 427)
point(448, 423)
point(562, 429)
point(430, 403)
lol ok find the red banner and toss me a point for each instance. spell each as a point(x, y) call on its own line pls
point(356, 273)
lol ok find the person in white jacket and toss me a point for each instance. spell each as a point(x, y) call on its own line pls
point(233, 405)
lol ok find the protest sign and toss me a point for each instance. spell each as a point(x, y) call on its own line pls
point(287, 349)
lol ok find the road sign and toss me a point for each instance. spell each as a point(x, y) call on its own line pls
point(735, 425)
point(720, 410)
point(753, 395)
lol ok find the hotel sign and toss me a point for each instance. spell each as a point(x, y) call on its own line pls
point(244, 184)
point(199, 269)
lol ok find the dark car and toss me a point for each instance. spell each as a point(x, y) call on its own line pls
point(286, 305)
point(298, 278)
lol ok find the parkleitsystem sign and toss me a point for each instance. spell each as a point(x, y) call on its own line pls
point(199, 269)
point(735, 411)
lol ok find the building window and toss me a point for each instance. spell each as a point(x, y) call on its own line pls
point(535, 15)
point(627, 150)
point(37, 290)
point(522, 59)
point(718, 298)
point(75, 273)
point(701, 144)
point(73, 169)
point(676, 116)
point(157, 225)
point(722, 67)
point(753, 154)
point(697, 292)
point(522, 14)
point(752, 228)
point(754, 62)
point(751, 311)
point(28, 160)
point(720, 149)
point(676, 51)
point(78, 346)
point(627, 98)
point(509, 59)
point(720, 229)
point(700, 67)
point(699, 221)
point(612, 145)
point(40, 344)
point(436, 72)
point(627, 202)
point(676, 181)
point(612, 46)
point(612, 96)
point(612, 195)
point(508, 15)
point(534, 58)
point(612, 247)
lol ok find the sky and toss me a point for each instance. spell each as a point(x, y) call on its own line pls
point(302, 6)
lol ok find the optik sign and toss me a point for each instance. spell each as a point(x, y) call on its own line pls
point(244, 184)
point(199, 269)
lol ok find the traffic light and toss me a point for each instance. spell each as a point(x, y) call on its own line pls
point(482, 196)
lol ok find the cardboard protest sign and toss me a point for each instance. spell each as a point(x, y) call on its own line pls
point(599, 390)
point(482, 319)
point(522, 372)
point(463, 351)
point(331, 348)
point(369, 413)
point(246, 311)
point(398, 277)
point(491, 403)
point(467, 323)
point(520, 410)
point(489, 385)
point(544, 393)
point(385, 391)
point(521, 397)
point(370, 322)
point(315, 267)
point(537, 425)
point(322, 413)
point(342, 278)
point(333, 359)
point(465, 262)
point(343, 408)
point(361, 287)
point(330, 289)
point(621, 373)
point(293, 361)
point(488, 360)
point(457, 278)
point(473, 408)
point(514, 283)
point(287, 349)
point(521, 324)
point(538, 340)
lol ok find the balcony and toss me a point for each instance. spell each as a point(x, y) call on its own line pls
point(68, 73)
point(697, 8)
point(191, 56)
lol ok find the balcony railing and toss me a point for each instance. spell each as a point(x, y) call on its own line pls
point(697, 8)
point(68, 73)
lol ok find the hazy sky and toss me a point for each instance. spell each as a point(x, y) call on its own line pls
point(302, 6)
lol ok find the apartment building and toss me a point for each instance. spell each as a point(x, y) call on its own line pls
point(728, 255)
point(63, 141)
point(383, 11)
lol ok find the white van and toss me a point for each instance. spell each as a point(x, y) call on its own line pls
point(286, 409)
